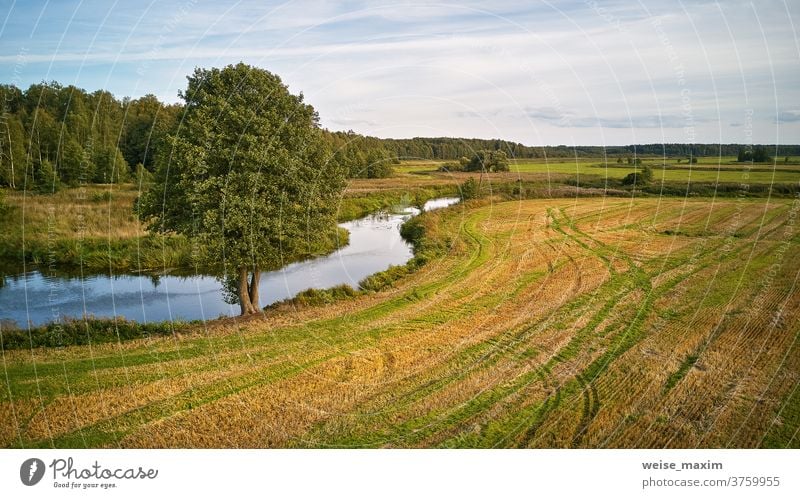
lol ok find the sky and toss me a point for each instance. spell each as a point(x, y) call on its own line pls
point(536, 72)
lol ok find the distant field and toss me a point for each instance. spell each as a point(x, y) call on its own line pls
point(724, 169)
point(605, 322)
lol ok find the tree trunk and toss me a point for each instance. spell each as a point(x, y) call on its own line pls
point(254, 289)
point(244, 292)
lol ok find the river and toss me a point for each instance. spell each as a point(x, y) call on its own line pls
point(37, 298)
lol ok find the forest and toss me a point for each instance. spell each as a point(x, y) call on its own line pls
point(53, 135)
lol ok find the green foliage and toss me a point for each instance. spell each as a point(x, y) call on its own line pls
point(100, 254)
point(756, 154)
point(760, 155)
point(71, 162)
point(110, 165)
point(422, 233)
point(142, 177)
point(353, 207)
point(82, 332)
point(385, 279)
point(87, 137)
point(147, 124)
point(647, 174)
point(12, 151)
point(248, 176)
point(469, 189)
point(43, 178)
point(318, 297)
point(444, 148)
point(360, 156)
point(639, 178)
point(632, 179)
point(488, 160)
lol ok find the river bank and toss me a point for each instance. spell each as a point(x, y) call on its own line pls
point(37, 299)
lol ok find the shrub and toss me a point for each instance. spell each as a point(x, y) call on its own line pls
point(384, 279)
point(312, 297)
point(640, 178)
point(647, 174)
point(469, 189)
point(633, 179)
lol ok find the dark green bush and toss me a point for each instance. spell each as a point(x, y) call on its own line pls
point(313, 297)
point(469, 189)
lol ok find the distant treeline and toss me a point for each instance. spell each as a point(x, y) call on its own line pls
point(62, 134)
point(455, 148)
point(52, 134)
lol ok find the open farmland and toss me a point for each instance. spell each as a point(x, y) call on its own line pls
point(707, 169)
point(545, 323)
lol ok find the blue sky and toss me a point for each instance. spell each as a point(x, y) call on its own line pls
point(538, 72)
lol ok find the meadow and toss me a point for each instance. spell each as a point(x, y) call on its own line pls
point(677, 170)
point(572, 322)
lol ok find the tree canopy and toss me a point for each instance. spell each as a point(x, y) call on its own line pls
point(75, 136)
point(360, 156)
point(488, 160)
point(248, 176)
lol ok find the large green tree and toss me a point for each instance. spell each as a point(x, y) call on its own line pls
point(246, 176)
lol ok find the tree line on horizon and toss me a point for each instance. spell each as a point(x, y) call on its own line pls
point(52, 134)
point(449, 148)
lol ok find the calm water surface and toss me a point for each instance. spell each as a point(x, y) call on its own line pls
point(36, 298)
